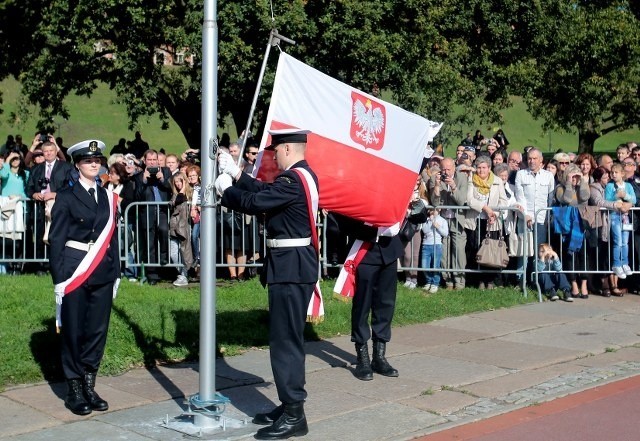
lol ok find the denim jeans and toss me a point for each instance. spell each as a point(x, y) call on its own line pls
point(431, 257)
point(195, 241)
point(620, 240)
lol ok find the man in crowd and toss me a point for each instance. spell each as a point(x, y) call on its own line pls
point(45, 180)
point(173, 163)
point(250, 156)
point(606, 162)
point(534, 189)
point(450, 189)
point(153, 185)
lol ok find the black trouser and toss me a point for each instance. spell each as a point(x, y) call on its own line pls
point(376, 287)
point(288, 304)
point(151, 235)
point(85, 321)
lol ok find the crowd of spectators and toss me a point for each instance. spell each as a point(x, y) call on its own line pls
point(162, 231)
point(466, 194)
point(490, 190)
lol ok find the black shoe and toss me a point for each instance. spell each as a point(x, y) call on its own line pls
point(363, 369)
point(88, 388)
point(267, 419)
point(292, 422)
point(75, 400)
point(152, 282)
point(380, 365)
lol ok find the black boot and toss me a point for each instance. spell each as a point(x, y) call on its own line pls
point(380, 365)
point(75, 400)
point(267, 419)
point(363, 367)
point(88, 387)
point(292, 422)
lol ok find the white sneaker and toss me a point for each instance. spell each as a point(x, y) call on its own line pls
point(412, 285)
point(627, 270)
point(433, 289)
point(618, 271)
point(181, 281)
point(427, 287)
point(407, 284)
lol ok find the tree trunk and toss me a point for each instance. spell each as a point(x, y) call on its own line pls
point(587, 136)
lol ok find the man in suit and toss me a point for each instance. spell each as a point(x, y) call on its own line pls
point(290, 271)
point(83, 233)
point(45, 181)
point(153, 185)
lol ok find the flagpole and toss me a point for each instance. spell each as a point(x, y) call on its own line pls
point(207, 399)
point(274, 40)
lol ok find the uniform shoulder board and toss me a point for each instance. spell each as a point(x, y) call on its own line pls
point(286, 179)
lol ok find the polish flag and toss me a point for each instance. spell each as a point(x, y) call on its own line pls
point(366, 152)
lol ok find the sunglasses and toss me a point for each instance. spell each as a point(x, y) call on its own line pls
point(629, 163)
point(564, 163)
point(252, 153)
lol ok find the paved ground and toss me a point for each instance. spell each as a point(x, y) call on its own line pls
point(452, 372)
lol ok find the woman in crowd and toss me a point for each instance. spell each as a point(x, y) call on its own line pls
point(492, 146)
point(193, 176)
point(485, 192)
point(13, 176)
point(412, 246)
point(573, 190)
point(120, 184)
point(600, 255)
point(499, 157)
point(587, 164)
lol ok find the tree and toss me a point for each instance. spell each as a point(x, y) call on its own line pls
point(585, 66)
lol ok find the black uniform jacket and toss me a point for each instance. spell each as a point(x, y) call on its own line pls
point(75, 216)
point(384, 251)
point(284, 203)
point(57, 181)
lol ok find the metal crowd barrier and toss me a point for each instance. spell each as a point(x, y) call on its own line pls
point(595, 256)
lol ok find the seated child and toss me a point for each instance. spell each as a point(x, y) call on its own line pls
point(550, 283)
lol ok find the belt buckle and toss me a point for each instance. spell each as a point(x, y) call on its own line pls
point(90, 244)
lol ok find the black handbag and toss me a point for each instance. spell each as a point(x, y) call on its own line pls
point(418, 214)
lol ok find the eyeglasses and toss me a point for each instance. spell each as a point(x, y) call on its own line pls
point(514, 160)
point(630, 163)
point(563, 163)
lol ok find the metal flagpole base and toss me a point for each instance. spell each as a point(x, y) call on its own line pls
point(204, 419)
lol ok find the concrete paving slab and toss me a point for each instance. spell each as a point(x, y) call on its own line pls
point(592, 307)
point(442, 402)
point(497, 387)
point(83, 430)
point(609, 358)
point(480, 324)
point(442, 371)
point(395, 421)
point(623, 317)
point(588, 335)
point(427, 336)
point(526, 317)
point(17, 418)
point(46, 398)
point(151, 384)
point(380, 388)
point(505, 354)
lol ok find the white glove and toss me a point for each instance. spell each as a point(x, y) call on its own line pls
point(227, 165)
point(59, 292)
point(116, 284)
point(223, 182)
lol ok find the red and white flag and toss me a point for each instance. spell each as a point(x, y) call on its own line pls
point(365, 152)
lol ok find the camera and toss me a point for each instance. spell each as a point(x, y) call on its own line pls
point(153, 170)
point(44, 137)
point(191, 156)
point(464, 156)
point(444, 176)
point(43, 182)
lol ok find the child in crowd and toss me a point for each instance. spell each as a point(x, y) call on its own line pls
point(620, 191)
point(179, 229)
point(550, 283)
point(434, 229)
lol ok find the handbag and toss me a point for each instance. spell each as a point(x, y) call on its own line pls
point(407, 231)
point(493, 253)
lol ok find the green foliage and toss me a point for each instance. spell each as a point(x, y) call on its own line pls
point(160, 324)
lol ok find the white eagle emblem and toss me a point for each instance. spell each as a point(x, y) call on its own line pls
point(370, 121)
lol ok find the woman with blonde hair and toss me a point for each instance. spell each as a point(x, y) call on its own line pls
point(179, 228)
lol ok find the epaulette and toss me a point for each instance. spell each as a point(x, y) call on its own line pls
point(287, 179)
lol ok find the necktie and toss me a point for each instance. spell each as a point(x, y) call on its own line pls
point(92, 192)
point(48, 176)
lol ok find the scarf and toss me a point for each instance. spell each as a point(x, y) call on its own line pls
point(481, 185)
